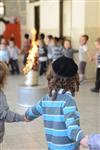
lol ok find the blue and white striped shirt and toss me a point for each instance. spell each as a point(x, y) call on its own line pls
point(61, 121)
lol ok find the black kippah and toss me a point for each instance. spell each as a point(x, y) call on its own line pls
point(65, 67)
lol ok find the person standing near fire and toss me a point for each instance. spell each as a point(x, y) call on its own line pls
point(26, 47)
point(14, 52)
point(42, 50)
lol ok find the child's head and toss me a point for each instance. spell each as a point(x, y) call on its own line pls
point(12, 42)
point(49, 39)
point(56, 41)
point(3, 73)
point(26, 36)
point(61, 40)
point(42, 36)
point(3, 41)
point(41, 39)
point(62, 74)
point(67, 44)
point(84, 39)
point(97, 43)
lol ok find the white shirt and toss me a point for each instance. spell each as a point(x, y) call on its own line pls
point(13, 51)
point(4, 54)
point(82, 53)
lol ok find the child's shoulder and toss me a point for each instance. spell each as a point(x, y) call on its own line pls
point(46, 97)
point(65, 97)
point(68, 99)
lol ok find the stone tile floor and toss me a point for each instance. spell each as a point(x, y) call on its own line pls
point(30, 136)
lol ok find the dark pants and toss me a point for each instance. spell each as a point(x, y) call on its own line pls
point(82, 67)
point(25, 58)
point(42, 67)
point(14, 66)
point(97, 83)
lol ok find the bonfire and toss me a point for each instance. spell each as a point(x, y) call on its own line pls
point(31, 68)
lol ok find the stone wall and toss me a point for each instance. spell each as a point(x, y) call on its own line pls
point(16, 8)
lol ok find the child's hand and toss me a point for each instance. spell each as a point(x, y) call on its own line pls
point(26, 120)
point(84, 142)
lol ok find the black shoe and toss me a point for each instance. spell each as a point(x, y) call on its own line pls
point(95, 90)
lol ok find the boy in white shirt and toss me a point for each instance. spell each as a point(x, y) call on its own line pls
point(83, 56)
point(13, 51)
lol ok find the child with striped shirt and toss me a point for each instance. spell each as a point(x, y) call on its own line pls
point(97, 58)
point(57, 49)
point(58, 107)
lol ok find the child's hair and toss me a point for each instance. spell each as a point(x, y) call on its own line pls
point(26, 35)
point(12, 40)
point(98, 40)
point(42, 36)
point(3, 73)
point(56, 40)
point(85, 36)
point(70, 42)
point(55, 83)
point(50, 37)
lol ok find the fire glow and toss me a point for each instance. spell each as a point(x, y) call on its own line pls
point(32, 59)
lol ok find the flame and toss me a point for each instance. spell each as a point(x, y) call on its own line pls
point(32, 59)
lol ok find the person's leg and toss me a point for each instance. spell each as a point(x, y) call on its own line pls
point(81, 70)
point(82, 67)
point(25, 59)
point(44, 66)
point(16, 66)
point(12, 66)
point(40, 68)
point(97, 83)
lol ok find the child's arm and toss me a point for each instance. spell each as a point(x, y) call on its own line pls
point(6, 114)
point(84, 142)
point(33, 112)
point(89, 57)
point(72, 121)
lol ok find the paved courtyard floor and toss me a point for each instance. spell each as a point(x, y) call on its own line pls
point(30, 136)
